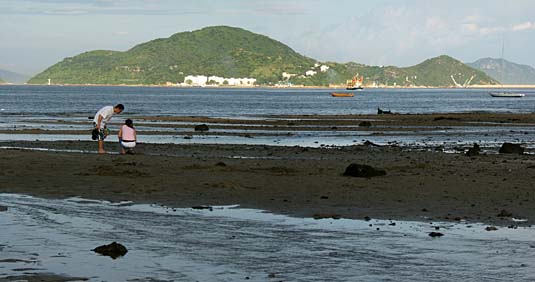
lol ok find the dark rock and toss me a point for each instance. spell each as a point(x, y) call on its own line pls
point(220, 164)
point(370, 143)
point(445, 118)
point(365, 123)
point(326, 215)
point(201, 127)
point(3, 209)
point(474, 151)
point(113, 250)
point(360, 170)
point(435, 234)
point(504, 213)
point(202, 208)
point(367, 218)
point(383, 112)
point(510, 148)
point(491, 228)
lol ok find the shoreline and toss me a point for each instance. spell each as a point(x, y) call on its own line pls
point(532, 86)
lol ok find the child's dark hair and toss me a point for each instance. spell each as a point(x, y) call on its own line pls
point(119, 106)
point(129, 123)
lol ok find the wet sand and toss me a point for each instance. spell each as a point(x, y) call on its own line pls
point(425, 185)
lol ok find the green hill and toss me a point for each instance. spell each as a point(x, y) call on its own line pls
point(507, 72)
point(221, 51)
point(233, 52)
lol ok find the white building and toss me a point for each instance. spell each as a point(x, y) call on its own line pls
point(310, 73)
point(324, 68)
point(202, 80)
point(196, 80)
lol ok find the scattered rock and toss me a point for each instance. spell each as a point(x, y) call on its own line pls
point(326, 215)
point(504, 213)
point(510, 148)
point(474, 151)
point(113, 250)
point(435, 234)
point(324, 197)
point(202, 208)
point(3, 209)
point(383, 112)
point(445, 118)
point(370, 143)
point(367, 218)
point(365, 123)
point(220, 164)
point(491, 228)
point(360, 170)
point(201, 127)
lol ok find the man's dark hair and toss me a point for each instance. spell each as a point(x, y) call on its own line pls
point(120, 106)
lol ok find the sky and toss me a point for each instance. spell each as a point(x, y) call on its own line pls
point(35, 34)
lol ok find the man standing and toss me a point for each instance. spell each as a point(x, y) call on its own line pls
point(102, 117)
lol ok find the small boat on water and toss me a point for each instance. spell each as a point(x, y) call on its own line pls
point(355, 83)
point(507, 94)
point(339, 94)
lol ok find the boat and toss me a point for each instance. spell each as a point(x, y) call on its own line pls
point(355, 83)
point(341, 94)
point(507, 94)
point(501, 92)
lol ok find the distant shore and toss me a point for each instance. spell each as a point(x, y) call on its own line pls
point(340, 87)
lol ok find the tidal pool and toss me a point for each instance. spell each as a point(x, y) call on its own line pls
point(43, 236)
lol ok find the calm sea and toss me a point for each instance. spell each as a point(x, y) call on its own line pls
point(46, 101)
point(48, 107)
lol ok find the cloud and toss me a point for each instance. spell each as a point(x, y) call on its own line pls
point(524, 26)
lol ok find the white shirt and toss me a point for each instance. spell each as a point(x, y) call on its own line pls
point(106, 113)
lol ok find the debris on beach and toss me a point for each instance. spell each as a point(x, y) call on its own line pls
point(326, 215)
point(474, 151)
point(113, 250)
point(360, 170)
point(3, 209)
point(504, 213)
point(201, 127)
point(435, 234)
point(383, 112)
point(365, 124)
point(491, 228)
point(510, 148)
point(202, 208)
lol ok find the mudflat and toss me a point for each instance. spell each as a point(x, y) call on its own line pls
point(426, 185)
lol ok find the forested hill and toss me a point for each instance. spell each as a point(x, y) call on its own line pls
point(221, 51)
point(234, 52)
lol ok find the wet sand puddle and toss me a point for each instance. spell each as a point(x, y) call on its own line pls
point(234, 244)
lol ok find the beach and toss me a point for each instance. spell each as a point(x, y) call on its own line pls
point(423, 183)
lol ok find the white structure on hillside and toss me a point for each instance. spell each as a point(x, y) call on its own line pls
point(310, 73)
point(324, 68)
point(202, 80)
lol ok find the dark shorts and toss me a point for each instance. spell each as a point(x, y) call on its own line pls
point(99, 134)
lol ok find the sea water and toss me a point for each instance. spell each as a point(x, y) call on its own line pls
point(234, 244)
point(68, 108)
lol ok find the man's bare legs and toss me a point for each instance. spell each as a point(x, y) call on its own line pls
point(101, 147)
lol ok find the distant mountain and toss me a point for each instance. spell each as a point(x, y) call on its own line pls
point(8, 76)
point(234, 52)
point(506, 71)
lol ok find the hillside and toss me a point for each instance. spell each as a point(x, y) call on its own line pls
point(507, 72)
point(220, 51)
point(12, 77)
point(229, 52)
